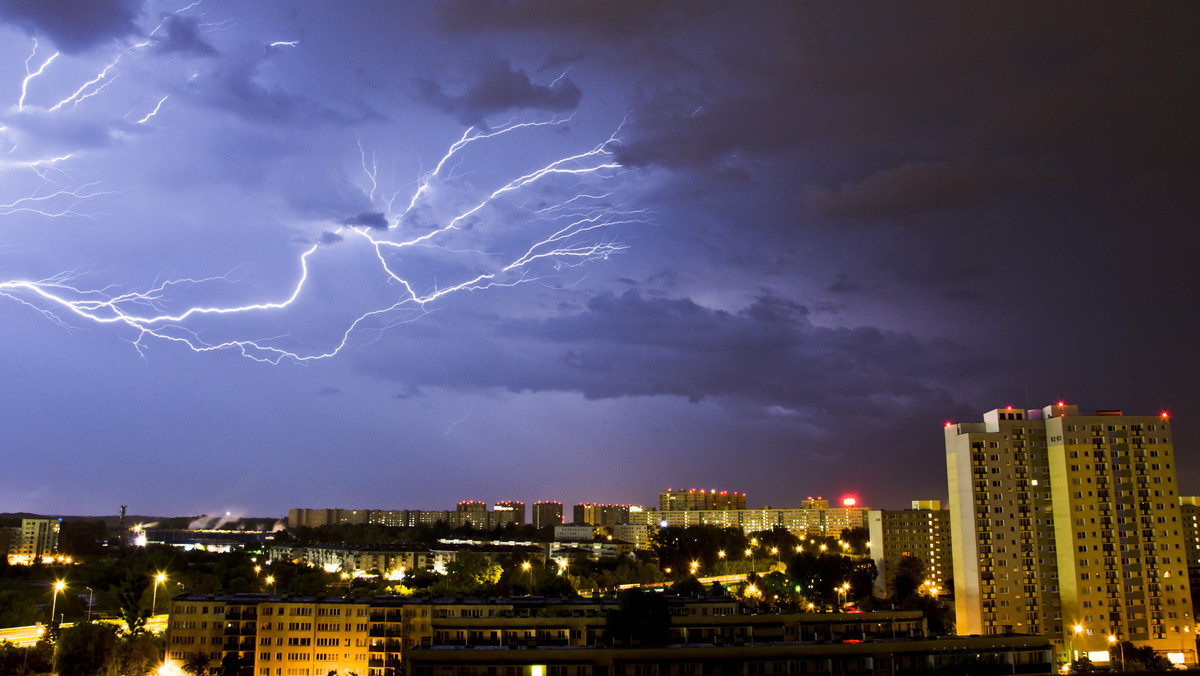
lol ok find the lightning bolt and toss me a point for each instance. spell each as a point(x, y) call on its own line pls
point(573, 229)
point(29, 75)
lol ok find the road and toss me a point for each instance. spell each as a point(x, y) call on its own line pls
point(28, 636)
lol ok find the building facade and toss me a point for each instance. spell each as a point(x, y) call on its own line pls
point(547, 514)
point(262, 635)
point(1069, 525)
point(39, 540)
point(693, 499)
point(922, 531)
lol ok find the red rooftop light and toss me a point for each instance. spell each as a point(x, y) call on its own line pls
point(1164, 415)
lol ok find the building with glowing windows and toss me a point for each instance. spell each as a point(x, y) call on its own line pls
point(699, 499)
point(547, 514)
point(1069, 525)
point(922, 531)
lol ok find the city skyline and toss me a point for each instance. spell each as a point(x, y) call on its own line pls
point(577, 252)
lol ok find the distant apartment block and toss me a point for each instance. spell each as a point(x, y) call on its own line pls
point(699, 499)
point(469, 512)
point(636, 534)
point(508, 512)
point(922, 531)
point(604, 516)
point(803, 521)
point(574, 533)
point(38, 540)
point(1069, 525)
point(547, 514)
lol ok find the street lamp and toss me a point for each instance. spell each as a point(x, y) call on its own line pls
point(528, 569)
point(1076, 631)
point(158, 579)
point(271, 581)
point(59, 585)
point(1120, 646)
point(843, 592)
point(90, 595)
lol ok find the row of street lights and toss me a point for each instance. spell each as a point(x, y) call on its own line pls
point(60, 586)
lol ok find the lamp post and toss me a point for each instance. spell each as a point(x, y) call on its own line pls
point(1120, 647)
point(528, 569)
point(158, 579)
point(1076, 631)
point(91, 594)
point(270, 580)
point(59, 585)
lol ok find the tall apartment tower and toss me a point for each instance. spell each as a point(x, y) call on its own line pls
point(1069, 525)
point(547, 514)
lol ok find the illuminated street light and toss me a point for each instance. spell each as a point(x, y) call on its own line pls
point(721, 554)
point(158, 579)
point(1113, 639)
point(59, 586)
point(271, 582)
point(525, 566)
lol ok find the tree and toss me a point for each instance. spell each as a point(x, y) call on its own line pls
point(16, 609)
point(910, 575)
point(140, 654)
point(641, 618)
point(196, 664)
point(470, 571)
point(688, 586)
point(86, 649)
point(129, 595)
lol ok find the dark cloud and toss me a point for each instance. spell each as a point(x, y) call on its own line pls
point(615, 19)
point(768, 354)
point(844, 284)
point(74, 25)
point(183, 36)
point(917, 188)
point(371, 219)
point(498, 88)
point(330, 237)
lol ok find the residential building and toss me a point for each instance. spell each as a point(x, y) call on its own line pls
point(316, 518)
point(605, 516)
point(922, 531)
point(547, 514)
point(1069, 525)
point(508, 512)
point(636, 534)
point(39, 540)
point(699, 499)
point(574, 533)
point(804, 521)
point(380, 636)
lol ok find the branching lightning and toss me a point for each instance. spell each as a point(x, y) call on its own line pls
point(567, 232)
point(30, 75)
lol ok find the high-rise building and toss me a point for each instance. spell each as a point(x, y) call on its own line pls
point(473, 513)
point(508, 512)
point(39, 539)
point(547, 514)
point(699, 499)
point(1069, 525)
point(605, 516)
point(922, 531)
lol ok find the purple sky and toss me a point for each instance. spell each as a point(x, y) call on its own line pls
point(794, 238)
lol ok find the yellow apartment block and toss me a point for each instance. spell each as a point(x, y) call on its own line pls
point(1069, 525)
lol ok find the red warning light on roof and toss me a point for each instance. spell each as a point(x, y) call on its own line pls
point(948, 424)
point(849, 502)
point(1165, 415)
point(1010, 407)
point(1061, 403)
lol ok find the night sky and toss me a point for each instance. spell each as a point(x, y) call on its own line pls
point(763, 247)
